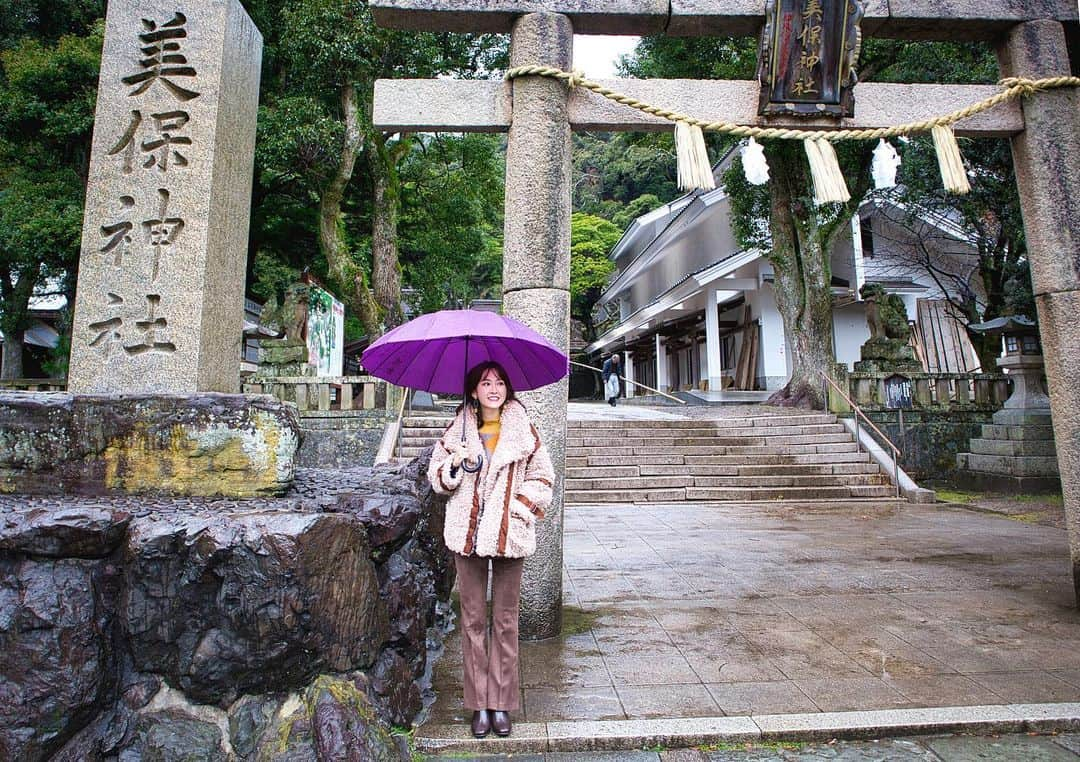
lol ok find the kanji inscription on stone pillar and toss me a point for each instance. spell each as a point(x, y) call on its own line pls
point(159, 302)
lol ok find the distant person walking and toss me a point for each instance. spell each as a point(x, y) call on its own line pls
point(610, 377)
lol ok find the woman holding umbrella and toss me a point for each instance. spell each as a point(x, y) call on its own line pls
point(499, 479)
point(495, 470)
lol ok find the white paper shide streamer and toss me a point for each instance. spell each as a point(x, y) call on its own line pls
point(695, 170)
point(886, 162)
point(754, 165)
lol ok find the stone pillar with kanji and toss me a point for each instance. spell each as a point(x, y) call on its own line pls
point(160, 295)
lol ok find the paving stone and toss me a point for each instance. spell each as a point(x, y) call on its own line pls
point(893, 750)
point(1027, 748)
point(845, 694)
point(668, 701)
point(883, 723)
point(1070, 741)
point(1027, 687)
point(573, 703)
point(635, 734)
point(761, 698)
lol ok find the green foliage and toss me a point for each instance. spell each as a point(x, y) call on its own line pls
point(641, 205)
point(446, 193)
point(47, 96)
point(47, 20)
point(611, 170)
point(591, 240)
point(451, 218)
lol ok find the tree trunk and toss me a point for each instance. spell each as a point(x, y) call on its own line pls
point(385, 268)
point(346, 274)
point(802, 283)
point(13, 351)
point(14, 319)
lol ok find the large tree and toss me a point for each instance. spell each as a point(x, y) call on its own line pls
point(322, 60)
point(47, 93)
point(781, 218)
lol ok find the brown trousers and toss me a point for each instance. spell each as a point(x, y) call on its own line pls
point(491, 668)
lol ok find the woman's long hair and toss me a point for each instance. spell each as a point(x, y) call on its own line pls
point(472, 381)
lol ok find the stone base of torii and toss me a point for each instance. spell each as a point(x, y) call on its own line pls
point(540, 113)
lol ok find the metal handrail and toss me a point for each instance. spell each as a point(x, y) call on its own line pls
point(635, 383)
point(406, 395)
point(858, 413)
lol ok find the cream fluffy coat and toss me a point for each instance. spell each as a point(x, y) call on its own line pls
point(493, 512)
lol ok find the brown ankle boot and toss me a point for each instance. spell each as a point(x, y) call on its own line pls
point(500, 722)
point(481, 723)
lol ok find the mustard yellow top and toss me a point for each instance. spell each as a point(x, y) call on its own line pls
point(489, 435)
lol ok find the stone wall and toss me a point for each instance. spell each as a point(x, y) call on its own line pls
point(930, 439)
point(340, 439)
point(291, 628)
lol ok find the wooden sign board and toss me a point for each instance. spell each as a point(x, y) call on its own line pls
point(898, 392)
point(806, 63)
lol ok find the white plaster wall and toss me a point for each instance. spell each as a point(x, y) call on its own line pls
point(850, 332)
point(774, 362)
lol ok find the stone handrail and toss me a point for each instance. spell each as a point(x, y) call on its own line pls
point(939, 391)
point(34, 384)
point(315, 393)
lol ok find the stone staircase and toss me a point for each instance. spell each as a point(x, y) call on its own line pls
point(807, 457)
point(418, 434)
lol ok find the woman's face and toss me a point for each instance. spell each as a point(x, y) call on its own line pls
point(491, 391)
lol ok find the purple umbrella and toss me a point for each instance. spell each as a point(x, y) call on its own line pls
point(435, 351)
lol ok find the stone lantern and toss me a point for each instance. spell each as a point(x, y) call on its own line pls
point(1023, 361)
point(1016, 452)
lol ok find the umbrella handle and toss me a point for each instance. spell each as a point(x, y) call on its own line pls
point(472, 470)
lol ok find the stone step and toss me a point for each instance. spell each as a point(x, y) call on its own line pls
point(815, 459)
point(426, 421)
point(647, 482)
point(731, 494)
point(995, 431)
point(702, 450)
point(635, 440)
point(408, 440)
point(809, 469)
point(759, 432)
point(753, 472)
point(761, 420)
point(1003, 465)
point(1013, 447)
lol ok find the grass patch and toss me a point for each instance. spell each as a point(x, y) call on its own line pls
point(951, 496)
point(577, 621)
point(748, 746)
point(1034, 517)
point(1053, 498)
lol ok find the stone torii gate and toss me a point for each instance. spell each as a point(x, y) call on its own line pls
point(540, 113)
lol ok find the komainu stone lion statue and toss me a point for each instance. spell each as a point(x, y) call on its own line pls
point(885, 313)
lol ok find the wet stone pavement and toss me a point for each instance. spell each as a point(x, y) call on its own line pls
point(952, 748)
point(706, 611)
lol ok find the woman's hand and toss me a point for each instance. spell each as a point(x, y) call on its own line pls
point(459, 451)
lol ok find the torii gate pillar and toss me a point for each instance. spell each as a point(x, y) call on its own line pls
point(1046, 156)
point(536, 273)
